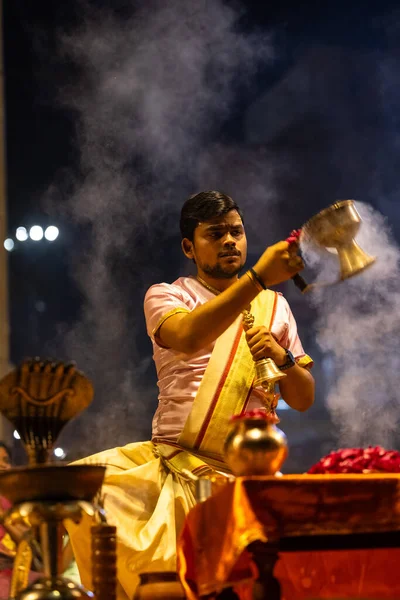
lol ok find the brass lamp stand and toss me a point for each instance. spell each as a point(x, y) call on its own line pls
point(40, 398)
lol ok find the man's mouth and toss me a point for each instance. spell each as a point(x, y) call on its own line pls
point(227, 254)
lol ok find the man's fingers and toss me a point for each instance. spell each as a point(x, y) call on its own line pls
point(283, 245)
point(250, 333)
point(293, 250)
point(296, 262)
point(260, 355)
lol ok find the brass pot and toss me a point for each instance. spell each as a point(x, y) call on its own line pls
point(159, 586)
point(255, 446)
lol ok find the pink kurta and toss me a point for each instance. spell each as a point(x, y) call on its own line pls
point(180, 375)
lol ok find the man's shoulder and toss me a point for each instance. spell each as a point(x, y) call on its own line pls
point(278, 295)
point(177, 287)
point(281, 302)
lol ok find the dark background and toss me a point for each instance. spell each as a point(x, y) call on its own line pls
point(314, 119)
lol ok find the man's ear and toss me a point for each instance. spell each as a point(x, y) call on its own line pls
point(187, 248)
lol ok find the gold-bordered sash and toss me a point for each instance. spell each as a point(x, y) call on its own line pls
point(180, 460)
point(226, 384)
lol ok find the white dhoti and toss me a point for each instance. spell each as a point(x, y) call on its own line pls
point(147, 503)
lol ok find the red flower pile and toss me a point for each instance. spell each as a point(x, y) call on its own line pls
point(294, 236)
point(257, 413)
point(358, 460)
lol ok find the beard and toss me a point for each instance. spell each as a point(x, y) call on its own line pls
point(217, 271)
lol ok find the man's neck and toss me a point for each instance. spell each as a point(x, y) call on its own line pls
point(215, 285)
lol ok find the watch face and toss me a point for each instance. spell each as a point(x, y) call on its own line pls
point(290, 356)
point(290, 361)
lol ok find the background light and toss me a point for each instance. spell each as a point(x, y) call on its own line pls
point(51, 233)
point(282, 405)
point(16, 435)
point(59, 453)
point(21, 234)
point(36, 233)
point(9, 244)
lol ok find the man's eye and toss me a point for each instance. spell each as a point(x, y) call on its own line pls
point(237, 232)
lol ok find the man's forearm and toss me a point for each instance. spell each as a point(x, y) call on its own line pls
point(192, 332)
point(297, 388)
point(208, 321)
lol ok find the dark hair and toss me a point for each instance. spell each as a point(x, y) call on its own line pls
point(6, 448)
point(204, 206)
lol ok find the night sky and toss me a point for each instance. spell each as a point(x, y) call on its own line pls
point(312, 118)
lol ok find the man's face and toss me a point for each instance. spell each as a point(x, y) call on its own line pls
point(219, 247)
point(4, 460)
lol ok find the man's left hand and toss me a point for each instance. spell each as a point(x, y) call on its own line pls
point(263, 344)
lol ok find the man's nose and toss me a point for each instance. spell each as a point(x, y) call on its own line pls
point(229, 240)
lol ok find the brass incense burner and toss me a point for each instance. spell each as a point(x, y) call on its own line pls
point(333, 230)
point(39, 398)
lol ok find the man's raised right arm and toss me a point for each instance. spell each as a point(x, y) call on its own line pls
point(190, 332)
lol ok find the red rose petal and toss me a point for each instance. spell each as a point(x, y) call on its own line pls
point(358, 460)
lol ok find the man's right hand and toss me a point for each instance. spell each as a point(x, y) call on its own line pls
point(279, 263)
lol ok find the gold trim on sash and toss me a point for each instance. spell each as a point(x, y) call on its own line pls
point(179, 460)
point(226, 384)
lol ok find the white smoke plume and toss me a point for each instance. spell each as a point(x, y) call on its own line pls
point(358, 326)
point(152, 90)
point(150, 86)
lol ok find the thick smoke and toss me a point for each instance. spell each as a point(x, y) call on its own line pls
point(333, 119)
point(152, 91)
point(358, 326)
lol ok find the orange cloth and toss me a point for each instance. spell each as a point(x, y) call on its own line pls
point(352, 574)
point(212, 546)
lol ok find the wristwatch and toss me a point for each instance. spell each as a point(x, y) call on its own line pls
point(290, 361)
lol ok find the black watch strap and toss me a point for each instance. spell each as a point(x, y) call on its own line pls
point(290, 361)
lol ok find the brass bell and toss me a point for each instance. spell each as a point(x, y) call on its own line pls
point(267, 373)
